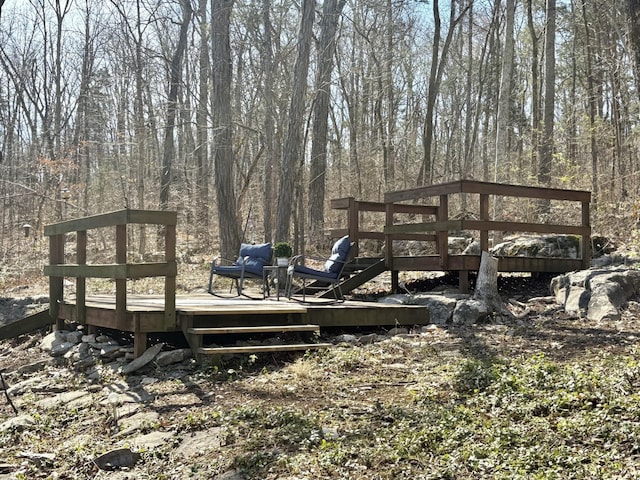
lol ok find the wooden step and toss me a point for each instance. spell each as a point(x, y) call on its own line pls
point(255, 329)
point(261, 348)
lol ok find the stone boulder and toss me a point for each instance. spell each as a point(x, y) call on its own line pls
point(598, 293)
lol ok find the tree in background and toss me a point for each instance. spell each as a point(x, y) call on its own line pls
point(331, 10)
point(293, 150)
point(222, 127)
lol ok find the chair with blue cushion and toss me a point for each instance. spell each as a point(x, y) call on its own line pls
point(249, 265)
point(329, 274)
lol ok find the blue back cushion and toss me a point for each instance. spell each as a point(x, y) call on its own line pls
point(339, 254)
point(259, 256)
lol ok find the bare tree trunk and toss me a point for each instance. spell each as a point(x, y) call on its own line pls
point(202, 133)
point(438, 62)
point(140, 133)
point(175, 76)
point(331, 10)
point(504, 96)
point(293, 145)
point(535, 87)
point(269, 124)
point(546, 146)
point(223, 146)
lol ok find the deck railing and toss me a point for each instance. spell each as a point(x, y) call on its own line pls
point(355, 207)
point(442, 226)
point(120, 271)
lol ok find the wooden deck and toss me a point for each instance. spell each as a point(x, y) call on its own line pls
point(203, 314)
point(144, 312)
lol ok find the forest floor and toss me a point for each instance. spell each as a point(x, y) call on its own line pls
point(549, 396)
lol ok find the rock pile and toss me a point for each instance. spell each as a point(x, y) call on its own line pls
point(84, 351)
point(598, 293)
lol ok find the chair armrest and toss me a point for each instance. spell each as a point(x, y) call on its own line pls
point(219, 261)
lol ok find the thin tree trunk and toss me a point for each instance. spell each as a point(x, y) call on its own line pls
point(202, 132)
point(546, 147)
point(504, 96)
point(293, 145)
point(175, 76)
point(269, 124)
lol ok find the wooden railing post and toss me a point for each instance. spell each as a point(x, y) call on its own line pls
point(353, 222)
point(388, 246)
point(443, 235)
point(81, 282)
point(56, 284)
point(169, 280)
point(586, 242)
point(121, 283)
point(484, 216)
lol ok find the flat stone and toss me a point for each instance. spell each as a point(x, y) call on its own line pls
point(18, 423)
point(172, 356)
point(143, 359)
point(137, 422)
point(33, 367)
point(200, 443)
point(151, 440)
point(72, 398)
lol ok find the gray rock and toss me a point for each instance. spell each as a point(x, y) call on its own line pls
point(577, 300)
point(440, 307)
point(367, 339)
point(172, 356)
point(19, 423)
point(121, 457)
point(347, 338)
point(74, 337)
point(143, 359)
point(398, 331)
point(59, 349)
point(33, 367)
point(395, 299)
point(469, 312)
point(49, 340)
point(597, 293)
point(231, 475)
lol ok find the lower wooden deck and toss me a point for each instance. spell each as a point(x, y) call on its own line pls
point(145, 313)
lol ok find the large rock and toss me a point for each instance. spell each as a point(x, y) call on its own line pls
point(598, 293)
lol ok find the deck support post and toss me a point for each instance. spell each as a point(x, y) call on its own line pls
point(139, 343)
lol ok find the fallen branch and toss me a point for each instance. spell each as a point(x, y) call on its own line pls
point(6, 394)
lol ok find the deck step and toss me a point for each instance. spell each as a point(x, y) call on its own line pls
point(262, 348)
point(254, 329)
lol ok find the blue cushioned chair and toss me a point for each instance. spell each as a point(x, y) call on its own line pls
point(329, 275)
point(250, 262)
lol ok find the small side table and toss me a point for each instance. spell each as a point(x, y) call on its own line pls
point(273, 271)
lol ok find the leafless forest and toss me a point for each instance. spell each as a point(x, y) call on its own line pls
point(248, 116)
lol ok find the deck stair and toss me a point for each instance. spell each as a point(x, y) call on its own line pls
point(195, 337)
point(361, 270)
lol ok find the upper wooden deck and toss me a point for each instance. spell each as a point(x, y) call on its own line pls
point(433, 224)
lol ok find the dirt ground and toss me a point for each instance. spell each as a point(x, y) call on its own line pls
point(186, 394)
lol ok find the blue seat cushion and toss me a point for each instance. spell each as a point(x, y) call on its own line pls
point(231, 271)
point(302, 270)
point(339, 254)
point(262, 251)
